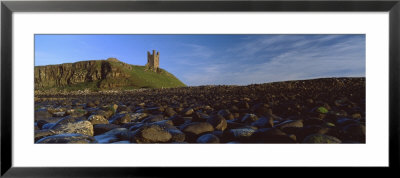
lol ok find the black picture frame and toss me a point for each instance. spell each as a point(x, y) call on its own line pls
point(8, 7)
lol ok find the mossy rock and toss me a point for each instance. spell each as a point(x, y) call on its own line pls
point(322, 110)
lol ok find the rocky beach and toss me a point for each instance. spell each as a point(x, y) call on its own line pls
point(327, 110)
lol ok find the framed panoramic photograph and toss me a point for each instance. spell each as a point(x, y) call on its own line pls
point(111, 88)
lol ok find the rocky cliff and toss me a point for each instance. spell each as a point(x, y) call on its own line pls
point(101, 74)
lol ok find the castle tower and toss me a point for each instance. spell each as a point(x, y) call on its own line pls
point(153, 60)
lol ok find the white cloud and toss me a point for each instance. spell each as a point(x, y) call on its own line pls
point(303, 59)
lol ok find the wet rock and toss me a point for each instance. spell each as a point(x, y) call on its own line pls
point(271, 135)
point(113, 108)
point(188, 112)
point(280, 102)
point(97, 119)
point(69, 119)
point(154, 118)
point(129, 125)
point(151, 133)
point(321, 138)
point(107, 114)
point(68, 138)
point(113, 135)
point(80, 127)
point(48, 125)
point(77, 112)
point(178, 120)
point(249, 118)
point(198, 128)
point(239, 134)
point(195, 129)
point(263, 122)
point(310, 130)
point(226, 114)
point(36, 127)
point(177, 135)
point(43, 133)
point(152, 110)
point(120, 119)
point(345, 121)
point(102, 128)
point(42, 114)
point(199, 117)
point(218, 122)
point(169, 112)
point(40, 123)
point(290, 123)
point(168, 122)
point(218, 133)
point(122, 108)
point(208, 138)
point(234, 125)
point(59, 114)
point(137, 117)
point(90, 105)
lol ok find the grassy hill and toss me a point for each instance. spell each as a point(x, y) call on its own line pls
point(98, 75)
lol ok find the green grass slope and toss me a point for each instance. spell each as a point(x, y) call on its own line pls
point(133, 77)
point(142, 78)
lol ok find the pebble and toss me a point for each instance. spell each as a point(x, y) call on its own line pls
point(320, 110)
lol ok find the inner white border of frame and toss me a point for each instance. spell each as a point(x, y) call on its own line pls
point(373, 153)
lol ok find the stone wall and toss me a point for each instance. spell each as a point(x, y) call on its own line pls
point(153, 60)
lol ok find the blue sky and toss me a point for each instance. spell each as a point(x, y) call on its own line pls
point(218, 59)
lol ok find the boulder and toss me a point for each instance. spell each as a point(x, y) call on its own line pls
point(42, 114)
point(80, 127)
point(170, 112)
point(151, 133)
point(107, 114)
point(195, 129)
point(102, 128)
point(97, 119)
point(43, 133)
point(249, 118)
point(218, 122)
point(120, 119)
point(239, 134)
point(199, 117)
point(271, 135)
point(68, 138)
point(208, 138)
point(290, 123)
point(263, 122)
point(137, 117)
point(40, 123)
point(321, 138)
point(48, 125)
point(178, 120)
point(188, 112)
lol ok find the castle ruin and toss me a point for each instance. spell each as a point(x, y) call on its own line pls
point(153, 60)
